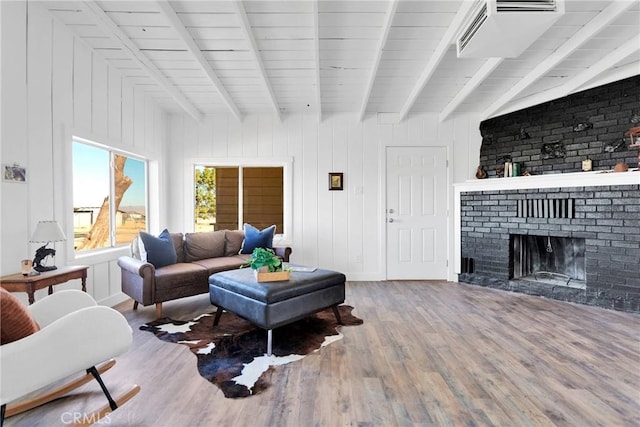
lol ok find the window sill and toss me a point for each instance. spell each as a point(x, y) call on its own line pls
point(100, 256)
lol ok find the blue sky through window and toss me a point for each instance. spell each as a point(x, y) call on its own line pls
point(91, 178)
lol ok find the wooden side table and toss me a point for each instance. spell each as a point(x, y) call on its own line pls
point(30, 284)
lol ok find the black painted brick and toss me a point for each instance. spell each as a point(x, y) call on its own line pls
point(611, 232)
point(610, 114)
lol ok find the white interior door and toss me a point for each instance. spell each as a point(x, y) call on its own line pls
point(416, 213)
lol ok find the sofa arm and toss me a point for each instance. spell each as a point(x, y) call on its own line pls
point(138, 279)
point(283, 252)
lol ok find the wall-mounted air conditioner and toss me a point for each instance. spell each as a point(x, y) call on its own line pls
point(505, 28)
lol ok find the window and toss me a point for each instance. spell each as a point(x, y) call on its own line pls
point(228, 196)
point(109, 196)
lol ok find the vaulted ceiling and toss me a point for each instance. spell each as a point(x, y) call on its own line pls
point(360, 56)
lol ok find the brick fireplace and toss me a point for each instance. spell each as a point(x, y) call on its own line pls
point(559, 233)
point(600, 219)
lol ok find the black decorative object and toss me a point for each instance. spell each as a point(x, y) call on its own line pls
point(41, 254)
point(524, 134)
point(635, 118)
point(614, 146)
point(582, 126)
point(46, 231)
point(553, 150)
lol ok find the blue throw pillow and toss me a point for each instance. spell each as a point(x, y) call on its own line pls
point(254, 238)
point(159, 250)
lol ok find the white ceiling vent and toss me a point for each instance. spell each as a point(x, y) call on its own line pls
point(505, 28)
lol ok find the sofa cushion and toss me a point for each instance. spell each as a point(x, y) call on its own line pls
point(180, 275)
point(16, 321)
point(178, 243)
point(254, 238)
point(233, 242)
point(215, 265)
point(204, 245)
point(159, 251)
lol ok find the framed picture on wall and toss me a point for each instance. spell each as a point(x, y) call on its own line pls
point(14, 173)
point(335, 180)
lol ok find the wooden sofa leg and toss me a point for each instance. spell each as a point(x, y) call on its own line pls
point(158, 310)
point(135, 305)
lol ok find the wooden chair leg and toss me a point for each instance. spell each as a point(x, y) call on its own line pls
point(135, 305)
point(158, 310)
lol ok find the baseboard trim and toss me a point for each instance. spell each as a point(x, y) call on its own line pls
point(364, 277)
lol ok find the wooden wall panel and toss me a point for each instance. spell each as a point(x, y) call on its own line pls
point(39, 131)
point(82, 63)
point(355, 189)
point(127, 114)
point(308, 238)
point(115, 104)
point(99, 98)
point(324, 154)
point(13, 131)
point(340, 202)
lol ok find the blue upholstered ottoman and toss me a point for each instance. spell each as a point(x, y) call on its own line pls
point(273, 304)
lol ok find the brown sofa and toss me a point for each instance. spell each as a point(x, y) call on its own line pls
point(198, 256)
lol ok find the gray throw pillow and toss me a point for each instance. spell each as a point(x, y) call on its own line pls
point(233, 242)
point(203, 245)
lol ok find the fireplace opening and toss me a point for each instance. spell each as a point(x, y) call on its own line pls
point(557, 261)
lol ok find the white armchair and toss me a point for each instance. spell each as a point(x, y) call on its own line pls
point(76, 334)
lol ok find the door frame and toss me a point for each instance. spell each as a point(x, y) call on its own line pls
point(383, 208)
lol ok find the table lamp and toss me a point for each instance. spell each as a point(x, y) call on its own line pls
point(46, 231)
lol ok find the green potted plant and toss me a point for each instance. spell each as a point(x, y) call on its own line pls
point(267, 266)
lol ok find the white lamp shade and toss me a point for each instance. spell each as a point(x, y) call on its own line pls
point(48, 231)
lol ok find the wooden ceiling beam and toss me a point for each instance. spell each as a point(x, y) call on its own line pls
point(621, 53)
point(131, 50)
point(475, 81)
point(194, 49)
point(245, 25)
point(584, 34)
point(388, 20)
point(579, 82)
point(436, 58)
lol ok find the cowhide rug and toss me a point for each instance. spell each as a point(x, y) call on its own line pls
point(232, 355)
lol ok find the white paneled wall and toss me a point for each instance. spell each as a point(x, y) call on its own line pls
point(53, 87)
point(340, 230)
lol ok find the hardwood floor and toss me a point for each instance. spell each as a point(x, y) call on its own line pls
point(429, 354)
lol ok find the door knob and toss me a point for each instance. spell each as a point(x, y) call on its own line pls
point(390, 219)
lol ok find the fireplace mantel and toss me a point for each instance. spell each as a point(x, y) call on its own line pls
point(575, 179)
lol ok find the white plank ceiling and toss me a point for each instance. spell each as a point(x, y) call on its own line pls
point(362, 56)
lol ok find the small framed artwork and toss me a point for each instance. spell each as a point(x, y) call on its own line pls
point(335, 180)
point(14, 173)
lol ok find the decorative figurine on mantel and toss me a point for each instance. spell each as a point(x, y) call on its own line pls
point(481, 173)
point(634, 141)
